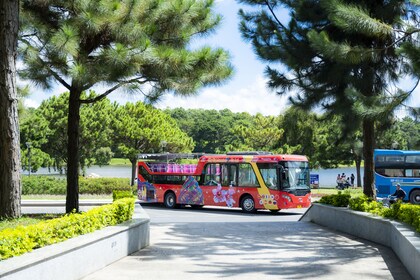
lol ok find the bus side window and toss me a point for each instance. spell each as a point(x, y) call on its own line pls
point(229, 174)
point(412, 172)
point(211, 174)
point(247, 176)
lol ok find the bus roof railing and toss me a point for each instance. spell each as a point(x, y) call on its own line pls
point(173, 156)
point(169, 156)
point(247, 153)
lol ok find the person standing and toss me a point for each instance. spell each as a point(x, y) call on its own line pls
point(352, 179)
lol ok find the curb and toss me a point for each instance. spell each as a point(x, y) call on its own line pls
point(402, 239)
point(80, 256)
point(58, 203)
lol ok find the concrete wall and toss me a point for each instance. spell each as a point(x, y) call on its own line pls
point(82, 255)
point(403, 240)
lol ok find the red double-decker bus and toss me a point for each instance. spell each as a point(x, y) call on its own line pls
point(250, 180)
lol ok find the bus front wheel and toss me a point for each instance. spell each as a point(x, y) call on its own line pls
point(170, 200)
point(248, 204)
point(415, 197)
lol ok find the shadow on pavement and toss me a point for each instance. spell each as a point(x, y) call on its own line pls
point(288, 250)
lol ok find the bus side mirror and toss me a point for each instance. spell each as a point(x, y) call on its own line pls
point(282, 172)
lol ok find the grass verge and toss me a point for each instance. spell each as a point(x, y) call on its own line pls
point(354, 192)
point(27, 220)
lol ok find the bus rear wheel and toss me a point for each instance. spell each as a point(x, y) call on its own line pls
point(415, 197)
point(248, 204)
point(170, 200)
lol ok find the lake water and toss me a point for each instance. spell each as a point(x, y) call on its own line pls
point(327, 177)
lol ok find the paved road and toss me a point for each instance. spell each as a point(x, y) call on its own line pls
point(218, 243)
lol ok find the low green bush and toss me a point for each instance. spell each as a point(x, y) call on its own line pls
point(57, 186)
point(406, 213)
point(121, 194)
point(17, 241)
point(365, 204)
point(338, 200)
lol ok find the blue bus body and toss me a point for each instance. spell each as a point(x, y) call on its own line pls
point(396, 166)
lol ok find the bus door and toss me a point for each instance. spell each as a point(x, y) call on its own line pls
point(220, 180)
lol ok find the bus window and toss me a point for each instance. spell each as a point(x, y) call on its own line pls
point(247, 176)
point(229, 174)
point(269, 174)
point(390, 172)
point(212, 174)
point(412, 172)
point(413, 159)
point(143, 172)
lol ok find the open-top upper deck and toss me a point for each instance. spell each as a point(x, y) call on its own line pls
point(163, 163)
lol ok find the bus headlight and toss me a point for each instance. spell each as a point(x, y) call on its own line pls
point(286, 197)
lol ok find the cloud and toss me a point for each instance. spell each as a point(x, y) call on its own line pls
point(255, 98)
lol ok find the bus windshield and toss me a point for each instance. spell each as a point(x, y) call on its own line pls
point(296, 175)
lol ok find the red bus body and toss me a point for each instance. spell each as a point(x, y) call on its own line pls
point(251, 182)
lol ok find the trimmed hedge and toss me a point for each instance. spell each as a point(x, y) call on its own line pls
point(22, 239)
point(57, 186)
point(337, 200)
point(122, 194)
point(406, 213)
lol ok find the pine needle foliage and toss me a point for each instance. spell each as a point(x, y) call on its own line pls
point(340, 55)
point(142, 46)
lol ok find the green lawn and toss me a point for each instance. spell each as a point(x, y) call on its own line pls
point(26, 220)
point(63, 197)
point(321, 192)
point(120, 161)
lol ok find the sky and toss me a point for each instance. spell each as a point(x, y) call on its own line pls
point(245, 91)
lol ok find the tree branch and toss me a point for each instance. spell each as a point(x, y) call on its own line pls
point(109, 91)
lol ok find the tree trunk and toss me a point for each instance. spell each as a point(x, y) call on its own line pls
point(133, 170)
point(73, 151)
point(10, 185)
point(359, 178)
point(368, 146)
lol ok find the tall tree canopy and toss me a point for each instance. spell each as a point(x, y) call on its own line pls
point(10, 187)
point(139, 45)
point(340, 55)
point(262, 134)
point(139, 128)
point(46, 130)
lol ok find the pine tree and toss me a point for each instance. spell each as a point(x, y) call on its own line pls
point(339, 55)
point(138, 45)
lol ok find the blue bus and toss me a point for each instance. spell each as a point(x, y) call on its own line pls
point(396, 166)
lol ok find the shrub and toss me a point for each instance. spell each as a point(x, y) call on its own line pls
point(17, 241)
point(406, 213)
point(121, 194)
point(365, 204)
point(57, 186)
point(337, 200)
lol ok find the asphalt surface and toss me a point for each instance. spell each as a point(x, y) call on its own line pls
point(227, 244)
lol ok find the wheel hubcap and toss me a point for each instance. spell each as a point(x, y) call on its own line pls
point(248, 204)
point(170, 200)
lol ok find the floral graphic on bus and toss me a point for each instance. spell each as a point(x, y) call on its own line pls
point(267, 199)
point(221, 196)
point(229, 198)
point(146, 192)
point(191, 192)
